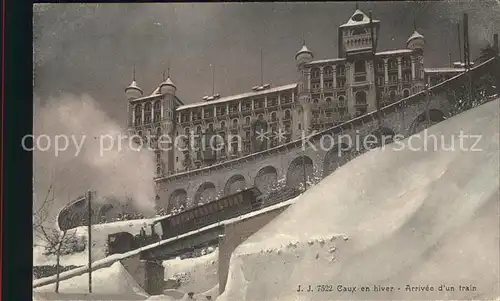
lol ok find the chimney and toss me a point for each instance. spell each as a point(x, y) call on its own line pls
point(495, 42)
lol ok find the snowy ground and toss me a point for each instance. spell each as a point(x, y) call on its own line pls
point(100, 234)
point(114, 280)
point(196, 275)
point(392, 217)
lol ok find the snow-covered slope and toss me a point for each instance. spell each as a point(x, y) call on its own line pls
point(114, 280)
point(392, 217)
point(196, 275)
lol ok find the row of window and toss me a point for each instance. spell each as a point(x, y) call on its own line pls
point(206, 210)
point(150, 111)
point(235, 122)
point(234, 108)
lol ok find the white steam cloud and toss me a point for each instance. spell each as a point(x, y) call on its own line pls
point(122, 172)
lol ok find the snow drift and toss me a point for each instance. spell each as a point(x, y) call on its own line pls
point(196, 275)
point(411, 220)
point(114, 280)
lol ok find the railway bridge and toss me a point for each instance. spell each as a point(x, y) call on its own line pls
point(319, 154)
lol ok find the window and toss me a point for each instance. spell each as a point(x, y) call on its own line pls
point(315, 101)
point(406, 76)
point(380, 80)
point(341, 83)
point(287, 114)
point(247, 120)
point(221, 111)
point(406, 93)
point(340, 70)
point(328, 84)
point(235, 123)
point(147, 112)
point(300, 126)
point(222, 125)
point(359, 67)
point(393, 63)
point(360, 97)
point(261, 117)
point(198, 129)
point(328, 101)
point(157, 111)
point(315, 86)
point(138, 114)
point(273, 116)
point(392, 95)
point(393, 79)
point(328, 71)
point(342, 101)
point(315, 73)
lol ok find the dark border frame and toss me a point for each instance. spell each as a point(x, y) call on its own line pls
point(16, 164)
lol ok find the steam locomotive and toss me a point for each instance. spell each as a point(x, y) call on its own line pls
point(191, 219)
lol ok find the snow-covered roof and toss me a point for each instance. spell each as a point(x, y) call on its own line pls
point(134, 85)
point(395, 51)
point(443, 70)
point(239, 96)
point(156, 92)
point(358, 18)
point(415, 35)
point(326, 61)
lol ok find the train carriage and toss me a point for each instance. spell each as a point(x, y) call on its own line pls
point(210, 213)
point(191, 219)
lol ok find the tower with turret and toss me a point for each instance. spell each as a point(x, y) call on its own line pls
point(152, 121)
point(302, 116)
point(168, 90)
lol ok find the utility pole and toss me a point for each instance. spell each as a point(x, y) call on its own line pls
point(89, 202)
point(467, 57)
point(374, 50)
point(427, 101)
point(459, 41)
point(466, 42)
point(304, 168)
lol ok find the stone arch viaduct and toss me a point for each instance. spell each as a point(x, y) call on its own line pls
point(327, 150)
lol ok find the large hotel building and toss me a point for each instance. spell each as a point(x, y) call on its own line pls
point(327, 92)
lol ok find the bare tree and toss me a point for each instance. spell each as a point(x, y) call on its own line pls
point(54, 242)
point(60, 243)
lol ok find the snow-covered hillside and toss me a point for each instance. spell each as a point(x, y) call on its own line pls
point(113, 280)
point(408, 220)
point(196, 275)
point(100, 234)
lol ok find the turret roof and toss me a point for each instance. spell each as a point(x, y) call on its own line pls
point(304, 49)
point(134, 85)
point(168, 82)
point(361, 20)
point(415, 35)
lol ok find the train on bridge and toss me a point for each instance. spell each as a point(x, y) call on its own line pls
point(188, 220)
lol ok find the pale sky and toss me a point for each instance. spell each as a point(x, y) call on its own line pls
point(91, 48)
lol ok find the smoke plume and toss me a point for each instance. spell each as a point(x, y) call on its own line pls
point(91, 160)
